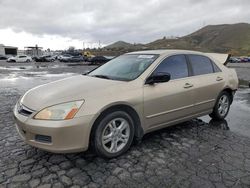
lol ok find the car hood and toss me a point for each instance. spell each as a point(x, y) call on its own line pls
point(70, 89)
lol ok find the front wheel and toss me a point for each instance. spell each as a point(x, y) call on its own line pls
point(113, 134)
point(221, 107)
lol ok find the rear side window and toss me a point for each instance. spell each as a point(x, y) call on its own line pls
point(175, 65)
point(200, 64)
point(216, 68)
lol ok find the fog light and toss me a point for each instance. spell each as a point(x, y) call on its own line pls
point(43, 138)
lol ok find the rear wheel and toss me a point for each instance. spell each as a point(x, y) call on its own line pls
point(221, 107)
point(114, 134)
point(27, 61)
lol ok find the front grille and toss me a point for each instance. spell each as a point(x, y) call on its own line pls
point(24, 110)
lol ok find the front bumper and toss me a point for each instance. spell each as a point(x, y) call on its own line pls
point(64, 136)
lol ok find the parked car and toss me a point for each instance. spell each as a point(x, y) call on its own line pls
point(65, 57)
point(59, 57)
point(51, 58)
point(45, 58)
point(234, 60)
point(124, 99)
point(98, 60)
point(75, 59)
point(20, 58)
point(244, 59)
point(2, 57)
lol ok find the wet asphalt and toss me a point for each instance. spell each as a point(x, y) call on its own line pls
point(197, 153)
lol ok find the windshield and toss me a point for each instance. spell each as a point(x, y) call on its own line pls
point(126, 67)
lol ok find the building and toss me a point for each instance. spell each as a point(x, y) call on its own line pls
point(33, 51)
point(8, 50)
point(20, 52)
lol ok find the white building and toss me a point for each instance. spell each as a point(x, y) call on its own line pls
point(8, 50)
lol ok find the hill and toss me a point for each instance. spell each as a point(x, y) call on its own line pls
point(119, 44)
point(229, 38)
point(226, 38)
point(223, 38)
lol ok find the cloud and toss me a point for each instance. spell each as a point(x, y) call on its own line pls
point(112, 20)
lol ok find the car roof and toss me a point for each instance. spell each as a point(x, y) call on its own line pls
point(166, 52)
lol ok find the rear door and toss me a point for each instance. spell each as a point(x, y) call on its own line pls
point(208, 80)
point(169, 101)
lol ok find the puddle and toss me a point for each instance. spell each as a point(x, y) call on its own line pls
point(14, 68)
point(239, 114)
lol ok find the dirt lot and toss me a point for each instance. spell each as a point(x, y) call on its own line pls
point(198, 153)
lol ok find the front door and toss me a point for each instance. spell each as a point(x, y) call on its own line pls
point(167, 102)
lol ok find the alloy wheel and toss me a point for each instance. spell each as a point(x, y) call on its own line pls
point(223, 105)
point(115, 135)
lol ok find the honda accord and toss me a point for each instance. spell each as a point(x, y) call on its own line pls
point(124, 99)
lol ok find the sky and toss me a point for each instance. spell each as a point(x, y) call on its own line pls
point(58, 24)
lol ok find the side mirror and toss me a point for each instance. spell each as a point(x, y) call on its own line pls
point(158, 77)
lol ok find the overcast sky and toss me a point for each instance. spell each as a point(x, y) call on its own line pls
point(57, 24)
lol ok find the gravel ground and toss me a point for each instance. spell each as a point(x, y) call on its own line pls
point(197, 153)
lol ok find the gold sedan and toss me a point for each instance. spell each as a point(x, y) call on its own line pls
point(124, 99)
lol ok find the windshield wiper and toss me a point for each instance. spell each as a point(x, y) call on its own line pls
point(102, 76)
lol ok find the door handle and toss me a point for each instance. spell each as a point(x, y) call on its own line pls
point(219, 78)
point(188, 85)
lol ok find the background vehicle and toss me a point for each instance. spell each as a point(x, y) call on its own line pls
point(20, 58)
point(65, 57)
point(46, 58)
point(87, 55)
point(99, 60)
point(75, 59)
point(51, 58)
point(234, 60)
point(2, 57)
point(244, 59)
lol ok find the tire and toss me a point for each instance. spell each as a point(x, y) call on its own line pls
point(27, 61)
point(222, 106)
point(113, 135)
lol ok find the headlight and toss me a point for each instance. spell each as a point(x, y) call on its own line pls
point(60, 112)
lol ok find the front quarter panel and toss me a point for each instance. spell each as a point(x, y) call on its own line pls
point(129, 93)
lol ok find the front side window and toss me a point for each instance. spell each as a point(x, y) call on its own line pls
point(200, 64)
point(126, 67)
point(175, 65)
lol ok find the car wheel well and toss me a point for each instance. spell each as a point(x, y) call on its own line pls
point(230, 92)
point(138, 129)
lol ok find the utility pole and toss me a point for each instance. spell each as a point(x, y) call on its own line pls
point(99, 42)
